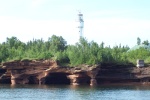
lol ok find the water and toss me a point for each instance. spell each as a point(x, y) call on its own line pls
point(67, 92)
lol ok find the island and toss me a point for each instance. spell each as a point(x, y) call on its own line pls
point(55, 62)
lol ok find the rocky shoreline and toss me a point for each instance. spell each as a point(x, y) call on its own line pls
point(50, 72)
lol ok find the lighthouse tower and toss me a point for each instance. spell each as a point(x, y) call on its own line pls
point(81, 24)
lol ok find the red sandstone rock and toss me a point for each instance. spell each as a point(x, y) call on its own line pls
point(41, 71)
point(31, 71)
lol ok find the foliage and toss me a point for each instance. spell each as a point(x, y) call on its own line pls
point(146, 42)
point(91, 53)
point(14, 49)
point(138, 41)
point(140, 53)
point(83, 52)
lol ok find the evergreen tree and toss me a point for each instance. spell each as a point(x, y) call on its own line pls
point(138, 41)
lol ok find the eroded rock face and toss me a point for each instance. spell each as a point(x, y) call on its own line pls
point(4, 76)
point(27, 71)
point(47, 72)
point(123, 74)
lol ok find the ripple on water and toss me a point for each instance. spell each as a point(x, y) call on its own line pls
point(66, 92)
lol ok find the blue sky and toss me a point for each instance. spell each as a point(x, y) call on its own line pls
point(112, 21)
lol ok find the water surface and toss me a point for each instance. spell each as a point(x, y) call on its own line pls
point(68, 92)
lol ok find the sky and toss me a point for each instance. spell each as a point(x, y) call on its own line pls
point(113, 22)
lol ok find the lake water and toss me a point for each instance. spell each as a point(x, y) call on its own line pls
point(67, 92)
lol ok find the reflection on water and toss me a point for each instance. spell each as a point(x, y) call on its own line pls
point(69, 92)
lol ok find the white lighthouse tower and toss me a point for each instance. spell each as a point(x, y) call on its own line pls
point(81, 24)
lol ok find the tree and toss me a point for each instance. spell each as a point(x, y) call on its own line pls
point(138, 41)
point(13, 42)
point(83, 52)
point(3, 52)
point(57, 43)
point(102, 45)
point(146, 42)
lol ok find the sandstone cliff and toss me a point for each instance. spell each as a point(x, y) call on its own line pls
point(46, 72)
point(49, 72)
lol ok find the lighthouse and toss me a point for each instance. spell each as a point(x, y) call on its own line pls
point(81, 24)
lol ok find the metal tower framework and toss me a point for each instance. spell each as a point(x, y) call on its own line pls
point(81, 24)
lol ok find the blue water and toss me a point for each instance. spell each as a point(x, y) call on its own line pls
point(67, 92)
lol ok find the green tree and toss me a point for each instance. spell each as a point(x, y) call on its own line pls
point(57, 43)
point(146, 42)
point(138, 41)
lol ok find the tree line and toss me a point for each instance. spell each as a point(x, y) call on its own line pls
point(83, 52)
